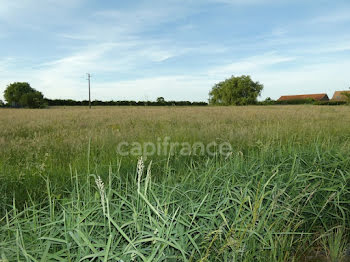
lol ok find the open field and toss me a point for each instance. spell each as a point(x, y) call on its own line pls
point(281, 194)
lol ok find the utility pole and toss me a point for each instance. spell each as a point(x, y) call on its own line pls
point(89, 76)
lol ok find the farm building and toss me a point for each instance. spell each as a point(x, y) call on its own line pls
point(317, 97)
point(339, 96)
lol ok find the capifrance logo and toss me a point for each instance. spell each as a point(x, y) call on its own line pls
point(164, 147)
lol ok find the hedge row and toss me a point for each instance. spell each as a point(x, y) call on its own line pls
point(302, 102)
point(69, 102)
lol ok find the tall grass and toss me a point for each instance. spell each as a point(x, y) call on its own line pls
point(283, 195)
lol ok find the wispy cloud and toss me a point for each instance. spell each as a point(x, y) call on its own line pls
point(173, 87)
point(244, 2)
point(22, 12)
point(175, 49)
point(251, 64)
point(324, 77)
point(338, 16)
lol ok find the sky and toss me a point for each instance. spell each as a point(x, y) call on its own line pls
point(177, 49)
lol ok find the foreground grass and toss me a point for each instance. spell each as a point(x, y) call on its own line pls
point(271, 208)
point(283, 194)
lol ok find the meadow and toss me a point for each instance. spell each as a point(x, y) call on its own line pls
point(281, 194)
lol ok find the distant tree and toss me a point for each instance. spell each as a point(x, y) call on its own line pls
point(161, 100)
point(1, 103)
point(241, 90)
point(268, 101)
point(21, 94)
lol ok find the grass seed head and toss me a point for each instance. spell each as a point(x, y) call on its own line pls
point(140, 167)
point(101, 189)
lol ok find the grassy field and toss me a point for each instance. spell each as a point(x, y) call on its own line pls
point(281, 194)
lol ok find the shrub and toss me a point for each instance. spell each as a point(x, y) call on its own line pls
point(21, 94)
point(330, 103)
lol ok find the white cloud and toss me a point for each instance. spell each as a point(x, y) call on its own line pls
point(61, 82)
point(330, 48)
point(249, 2)
point(325, 77)
point(65, 77)
point(172, 87)
point(318, 78)
point(36, 15)
point(337, 16)
point(250, 64)
point(238, 2)
point(118, 42)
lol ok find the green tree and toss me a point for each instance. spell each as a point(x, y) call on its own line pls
point(161, 100)
point(241, 90)
point(33, 100)
point(21, 94)
point(1, 103)
point(268, 101)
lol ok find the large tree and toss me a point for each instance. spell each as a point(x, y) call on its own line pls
point(21, 94)
point(241, 90)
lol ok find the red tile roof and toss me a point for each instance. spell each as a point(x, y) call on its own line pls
point(317, 97)
point(338, 96)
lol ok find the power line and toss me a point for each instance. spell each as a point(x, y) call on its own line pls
point(89, 76)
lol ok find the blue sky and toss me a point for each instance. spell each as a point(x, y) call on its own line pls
point(140, 50)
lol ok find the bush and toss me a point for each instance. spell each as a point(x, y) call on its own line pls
point(21, 94)
point(296, 102)
point(33, 100)
point(330, 103)
point(269, 101)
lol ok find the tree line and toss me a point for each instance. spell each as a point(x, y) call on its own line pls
point(22, 95)
point(70, 102)
point(236, 90)
point(240, 90)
